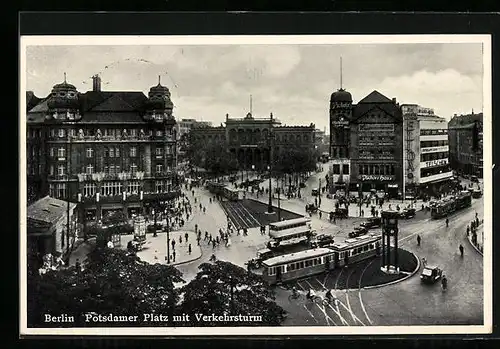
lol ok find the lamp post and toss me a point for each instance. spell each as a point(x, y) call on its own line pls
point(360, 194)
point(168, 235)
point(270, 204)
point(279, 204)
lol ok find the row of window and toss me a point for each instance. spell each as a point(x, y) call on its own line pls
point(434, 156)
point(429, 144)
point(116, 188)
point(376, 127)
point(377, 169)
point(61, 132)
point(336, 169)
point(443, 131)
point(108, 152)
point(376, 153)
point(111, 169)
point(426, 172)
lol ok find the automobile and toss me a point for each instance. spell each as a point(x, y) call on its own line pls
point(358, 231)
point(476, 194)
point(315, 192)
point(408, 213)
point(373, 222)
point(262, 255)
point(431, 274)
point(474, 179)
point(323, 239)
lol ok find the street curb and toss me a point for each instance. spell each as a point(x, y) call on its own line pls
point(186, 262)
point(469, 238)
point(399, 280)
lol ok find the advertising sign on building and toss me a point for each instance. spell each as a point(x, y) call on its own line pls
point(433, 163)
point(434, 149)
point(378, 178)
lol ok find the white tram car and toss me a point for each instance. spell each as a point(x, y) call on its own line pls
point(319, 260)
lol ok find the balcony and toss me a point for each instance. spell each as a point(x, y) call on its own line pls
point(114, 139)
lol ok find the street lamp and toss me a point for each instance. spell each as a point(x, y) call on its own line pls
point(168, 235)
point(270, 205)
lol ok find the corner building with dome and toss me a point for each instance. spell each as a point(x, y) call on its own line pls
point(366, 144)
point(104, 150)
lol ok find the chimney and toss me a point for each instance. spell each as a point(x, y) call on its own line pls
point(394, 100)
point(96, 83)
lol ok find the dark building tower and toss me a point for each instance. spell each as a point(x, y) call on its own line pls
point(340, 115)
point(63, 102)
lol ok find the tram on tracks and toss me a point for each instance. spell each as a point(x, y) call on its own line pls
point(310, 262)
point(451, 204)
point(232, 194)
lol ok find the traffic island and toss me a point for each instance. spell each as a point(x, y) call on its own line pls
point(155, 249)
point(376, 275)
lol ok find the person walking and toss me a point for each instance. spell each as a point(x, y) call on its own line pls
point(173, 255)
point(447, 222)
point(198, 240)
point(186, 235)
point(461, 249)
point(320, 214)
point(173, 244)
point(418, 240)
point(206, 235)
point(189, 249)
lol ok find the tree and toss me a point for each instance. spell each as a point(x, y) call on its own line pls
point(111, 281)
point(223, 288)
point(296, 160)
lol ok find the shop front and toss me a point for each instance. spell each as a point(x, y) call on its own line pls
point(379, 183)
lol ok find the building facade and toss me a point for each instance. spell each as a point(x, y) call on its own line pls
point(426, 151)
point(248, 138)
point(365, 143)
point(465, 136)
point(105, 150)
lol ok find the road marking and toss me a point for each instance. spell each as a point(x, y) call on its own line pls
point(354, 317)
point(359, 294)
point(347, 295)
point(338, 310)
point(310, 313)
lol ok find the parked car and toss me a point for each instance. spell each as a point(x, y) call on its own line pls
point(322, 240)
point(315, 192)
point(358, 231)
point(408, 213)
point(374, 222)
point(431, 274)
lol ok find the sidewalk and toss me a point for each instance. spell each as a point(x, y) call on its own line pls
point(155, 249)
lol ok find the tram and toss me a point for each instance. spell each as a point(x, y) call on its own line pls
point(451, 204)
point(232, 194)
point(309, 262)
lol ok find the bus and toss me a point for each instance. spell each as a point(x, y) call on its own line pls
point(451, 204)
point(315, 261)
point(290, 232)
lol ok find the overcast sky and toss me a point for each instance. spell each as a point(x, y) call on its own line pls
point(294, 82)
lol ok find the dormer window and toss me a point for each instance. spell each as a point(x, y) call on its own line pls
point(62, 94)
point(54, 94)
point(71, 94)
